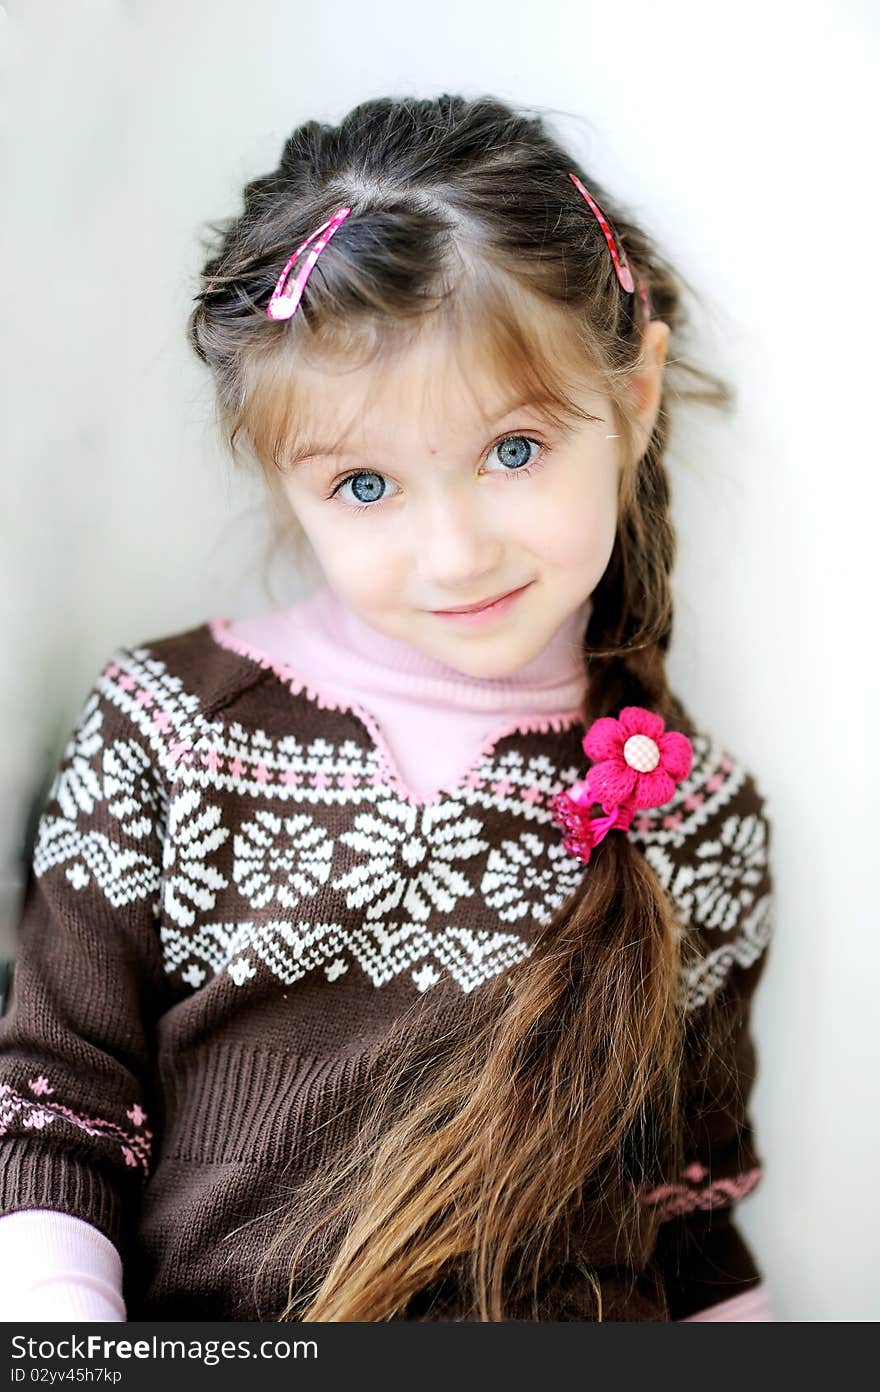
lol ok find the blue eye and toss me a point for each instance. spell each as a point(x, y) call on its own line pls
point(512, 454)
point(366, 488)
point(369, 488)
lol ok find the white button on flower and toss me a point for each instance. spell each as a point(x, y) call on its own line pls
point(641, 753)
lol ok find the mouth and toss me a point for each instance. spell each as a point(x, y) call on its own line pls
point(494, 603)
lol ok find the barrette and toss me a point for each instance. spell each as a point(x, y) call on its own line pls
point(284, 303)
point(637, 764)
point(618, 255)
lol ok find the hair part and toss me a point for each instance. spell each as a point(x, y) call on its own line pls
point(483, 1151)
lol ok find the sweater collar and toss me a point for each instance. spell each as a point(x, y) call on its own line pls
point(554, 680)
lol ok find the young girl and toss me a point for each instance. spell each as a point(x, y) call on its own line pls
point(389, 955)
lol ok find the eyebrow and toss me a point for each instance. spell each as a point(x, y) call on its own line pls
point(314, 449)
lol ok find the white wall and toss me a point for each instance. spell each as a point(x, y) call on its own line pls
point(743, 138)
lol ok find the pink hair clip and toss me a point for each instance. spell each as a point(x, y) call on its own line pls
point(618, 255)
point(638, 763)
point(283, 303)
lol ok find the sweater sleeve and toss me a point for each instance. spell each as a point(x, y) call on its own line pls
point(77, 1040)
point(725, 893)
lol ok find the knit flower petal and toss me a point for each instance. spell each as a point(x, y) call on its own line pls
point(636, 720)
point(610, 781)
point(604, 739)
point(653, 789)
point(676, 754)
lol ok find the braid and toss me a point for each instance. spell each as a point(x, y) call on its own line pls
point(631, 621)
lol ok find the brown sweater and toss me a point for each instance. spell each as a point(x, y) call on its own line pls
point(232, 904)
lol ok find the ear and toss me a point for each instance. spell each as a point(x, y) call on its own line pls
point(646, 383)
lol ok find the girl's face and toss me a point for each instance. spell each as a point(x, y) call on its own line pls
point(441, 493)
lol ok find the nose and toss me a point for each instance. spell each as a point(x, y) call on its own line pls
point(456, 546)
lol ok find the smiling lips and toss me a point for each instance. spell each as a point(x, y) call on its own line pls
point(495, 604)
point(480, 604)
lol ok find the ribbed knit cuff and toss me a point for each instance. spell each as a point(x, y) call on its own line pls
point(34, 1175)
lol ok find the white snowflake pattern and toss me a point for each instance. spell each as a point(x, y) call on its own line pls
point(409, 854)
point(189, 881)
point(93, 772)
point(130, 788)
point(76, 786)
point(527, 876)
point(709, 892)
point(702, 979)
point(284, 859)
point(719, 883)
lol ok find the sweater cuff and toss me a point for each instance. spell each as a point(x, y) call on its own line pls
point(32, 1175)
point(57, 1267)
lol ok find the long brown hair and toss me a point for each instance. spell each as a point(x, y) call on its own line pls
point(480, 1153)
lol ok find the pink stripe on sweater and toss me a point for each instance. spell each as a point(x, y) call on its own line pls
point(674, 1199)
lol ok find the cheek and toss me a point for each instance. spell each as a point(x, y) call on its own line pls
point(360, 564)
point(585, 544)
point(575, 530)
point(368, 583)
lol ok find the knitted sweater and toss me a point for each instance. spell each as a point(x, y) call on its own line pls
point(226, 848)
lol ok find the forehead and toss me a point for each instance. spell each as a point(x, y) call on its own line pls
point(436, 379)
point(429, 384)
point(435, 382)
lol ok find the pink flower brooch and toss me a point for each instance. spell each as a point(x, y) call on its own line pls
point(637, 764)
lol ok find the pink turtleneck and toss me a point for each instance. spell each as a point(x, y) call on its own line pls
point(405, 693)
point(431, 723)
